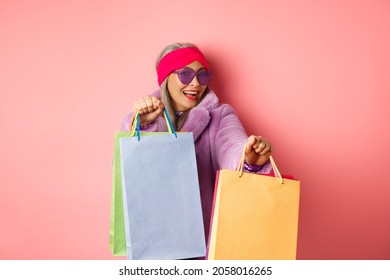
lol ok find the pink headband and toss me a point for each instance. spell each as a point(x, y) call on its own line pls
point(177, 59)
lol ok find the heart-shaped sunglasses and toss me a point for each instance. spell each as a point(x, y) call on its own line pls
point(186, 75)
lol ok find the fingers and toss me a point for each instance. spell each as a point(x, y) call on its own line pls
point(160, 108)
point(258, 150)
point(148, 104)
point(264, 147)
point(149, 108)
point(250, 144)
point(259, 145)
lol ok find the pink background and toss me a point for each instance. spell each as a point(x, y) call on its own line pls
point(311, 76)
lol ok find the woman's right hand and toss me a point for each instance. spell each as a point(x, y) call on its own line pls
point(149, 108)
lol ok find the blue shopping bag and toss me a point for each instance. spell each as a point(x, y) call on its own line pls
point(161, 198)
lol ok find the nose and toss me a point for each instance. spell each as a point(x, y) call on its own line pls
point(195, 81)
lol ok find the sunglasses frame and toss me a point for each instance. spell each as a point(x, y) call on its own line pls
point(193, 74)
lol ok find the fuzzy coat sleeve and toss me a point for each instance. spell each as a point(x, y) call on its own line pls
point(230, 141)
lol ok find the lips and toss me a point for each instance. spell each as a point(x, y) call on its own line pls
point(191, 94)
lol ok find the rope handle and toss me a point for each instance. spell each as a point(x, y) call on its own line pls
point(240, 166)
point(135, 128)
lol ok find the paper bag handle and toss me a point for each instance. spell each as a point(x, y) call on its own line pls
point(240, 167)
point(136, 125)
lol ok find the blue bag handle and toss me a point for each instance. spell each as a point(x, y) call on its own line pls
point(137, 126)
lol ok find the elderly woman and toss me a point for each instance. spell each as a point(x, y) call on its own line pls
point(184, 76)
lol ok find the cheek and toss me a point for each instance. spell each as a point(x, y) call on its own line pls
point(174, 86)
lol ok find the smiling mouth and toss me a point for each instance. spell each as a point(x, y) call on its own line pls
point(190, 94)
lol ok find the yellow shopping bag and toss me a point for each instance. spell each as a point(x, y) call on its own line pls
point(254, 216)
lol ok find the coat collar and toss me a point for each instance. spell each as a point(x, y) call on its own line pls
point(199, 117)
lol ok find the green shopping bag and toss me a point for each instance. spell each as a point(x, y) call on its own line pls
point(117, 224)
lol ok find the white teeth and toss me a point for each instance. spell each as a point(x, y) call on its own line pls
point(190, 92)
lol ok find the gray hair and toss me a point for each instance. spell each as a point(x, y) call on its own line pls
point(177, 121)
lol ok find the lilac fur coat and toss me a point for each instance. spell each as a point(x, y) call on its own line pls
point(219, 141)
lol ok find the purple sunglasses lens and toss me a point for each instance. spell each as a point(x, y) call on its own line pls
point(186, 75)
point(203, 76)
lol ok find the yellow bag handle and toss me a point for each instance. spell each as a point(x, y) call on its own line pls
point(240, 167)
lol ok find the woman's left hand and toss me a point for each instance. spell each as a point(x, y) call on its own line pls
point(257, 150)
